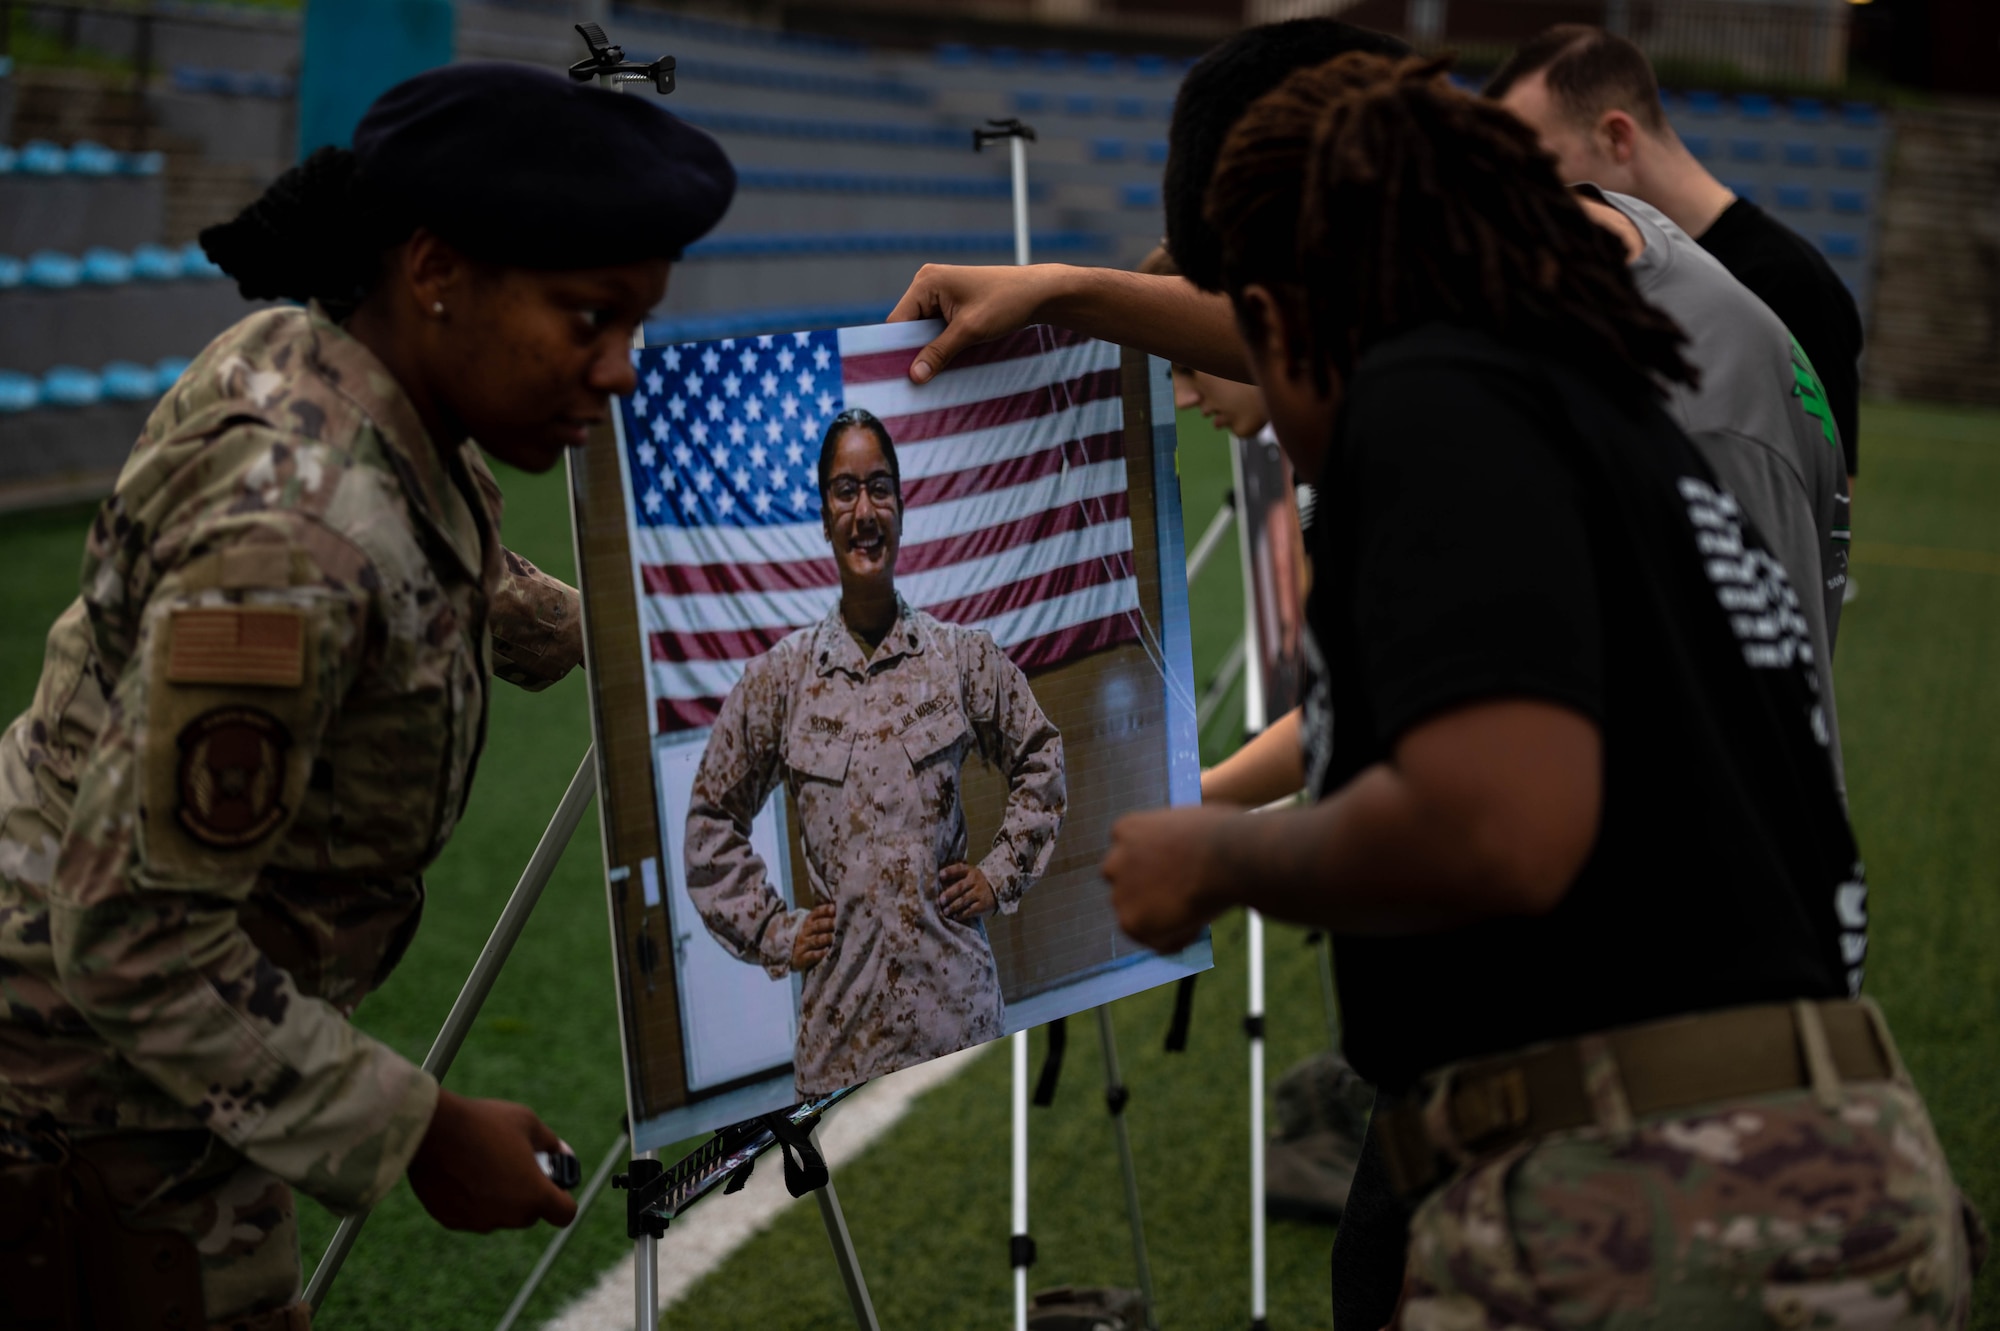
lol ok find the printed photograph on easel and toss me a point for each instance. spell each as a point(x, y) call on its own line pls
point(874, 668)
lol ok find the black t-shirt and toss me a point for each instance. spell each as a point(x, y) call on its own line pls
point(1493, 525)
point(1785, 272)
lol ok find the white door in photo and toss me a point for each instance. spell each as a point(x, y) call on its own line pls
point(735, 1019)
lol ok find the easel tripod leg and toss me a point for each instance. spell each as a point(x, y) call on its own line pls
point(562, 1236)
point(1115, 1097)
point(506, 932)
point(1253, 1023)
point(1022, 1247)
point(646, 1275)
point(835, 1220)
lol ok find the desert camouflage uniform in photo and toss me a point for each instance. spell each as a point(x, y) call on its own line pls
point(254, 729)
point(870, 752)
point(1788, 1211)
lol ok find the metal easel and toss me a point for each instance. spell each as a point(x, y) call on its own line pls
point(1021, 1246)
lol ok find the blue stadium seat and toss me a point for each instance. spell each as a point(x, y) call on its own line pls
point(1107, 150)
point(70, 386)
point(18, 392)
point(1853, 157)
point(156, 263)
point(1704, 103)
point(1156, 153)
point(105, 267)
point(1078, 104)
point(125, 381)
point(1140, 196)
point(1840, 244)
point(1801, 154)
point(144, 164)
point(87, 158)
point(12, 272)
point(1053, 61)
point(52, 271)
point(952, 54)
point(1101, 62)
point(1862, 115)
point(1794, 198)
point(1746, 150)
point(1809, 110)
point(1755, 106)
point(7, 159)
point(39, 157)
point(1743, 189)
point(167, 372)
point(195, 263)
point(1003, 57)
point(1699, 144)
point(1029, 102)
point(1131, 108)
point(231, 82)
point(1152, 66)
point(1847, 200)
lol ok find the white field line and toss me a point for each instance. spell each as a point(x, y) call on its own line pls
point(720, 1225)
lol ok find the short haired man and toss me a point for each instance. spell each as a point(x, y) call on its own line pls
point(1592, 98)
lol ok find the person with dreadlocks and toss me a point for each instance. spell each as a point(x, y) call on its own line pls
point(260, 719)
point(1599, 917)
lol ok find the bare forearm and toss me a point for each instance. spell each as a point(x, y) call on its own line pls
point(1370, 860)
point(1268, 768)
point(1163, 316)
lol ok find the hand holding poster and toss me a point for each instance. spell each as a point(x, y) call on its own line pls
point(837, 590)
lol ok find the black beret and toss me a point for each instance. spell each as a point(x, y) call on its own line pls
point(520, 166)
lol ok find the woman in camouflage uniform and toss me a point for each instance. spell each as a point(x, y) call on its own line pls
point(260, 719)
point(866, 717)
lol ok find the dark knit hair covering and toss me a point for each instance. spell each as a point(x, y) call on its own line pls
point(1214, 95)
point(1372, 198)
point(858, 418)
point(513, 165)
point(1589, 72)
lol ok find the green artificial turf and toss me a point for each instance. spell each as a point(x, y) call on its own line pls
point(1918, 674)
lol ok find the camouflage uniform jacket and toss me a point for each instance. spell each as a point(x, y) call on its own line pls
point(254, 729)
point(870, 752)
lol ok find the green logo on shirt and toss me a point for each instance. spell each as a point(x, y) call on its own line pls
point(1812, 396)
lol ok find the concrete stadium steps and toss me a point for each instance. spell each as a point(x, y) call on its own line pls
point(726, 284)
point(136, 321)
point(74, 213)
point(762, 212)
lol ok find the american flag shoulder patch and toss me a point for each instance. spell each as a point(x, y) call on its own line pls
point(259, 646)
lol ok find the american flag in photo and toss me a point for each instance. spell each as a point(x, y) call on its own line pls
point(1016, 518)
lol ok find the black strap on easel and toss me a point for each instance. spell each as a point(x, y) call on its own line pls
point(808, 1173)
point(1177, 1028)
point(1052, 1061)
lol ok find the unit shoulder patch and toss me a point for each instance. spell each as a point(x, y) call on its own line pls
point(232, 774)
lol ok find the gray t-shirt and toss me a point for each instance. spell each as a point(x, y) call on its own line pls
point(1761, 421)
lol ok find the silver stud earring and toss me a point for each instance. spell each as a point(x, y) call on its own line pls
point(437, 308)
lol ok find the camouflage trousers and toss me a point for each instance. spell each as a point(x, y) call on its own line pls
point(1766, 1212)
point(240, 1217)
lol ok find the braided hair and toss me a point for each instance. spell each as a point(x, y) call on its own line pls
point(1372, 197)
point(317, 233)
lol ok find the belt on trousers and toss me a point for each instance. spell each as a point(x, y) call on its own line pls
point(1481, 1107)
